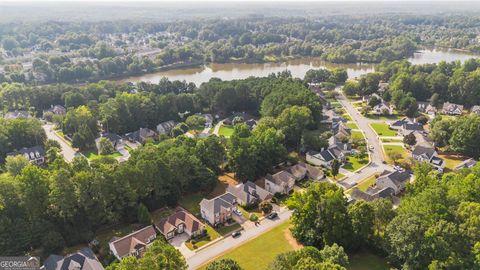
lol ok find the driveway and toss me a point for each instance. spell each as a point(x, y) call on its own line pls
point(376, 156)
point(209, 253)
point(178, 242)
point(67, 151)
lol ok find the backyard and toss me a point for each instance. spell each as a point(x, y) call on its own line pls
point(225, 130)
point(395, 149)
point(383, 129)
point(93, 155)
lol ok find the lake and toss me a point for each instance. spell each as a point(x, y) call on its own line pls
point(298, 68)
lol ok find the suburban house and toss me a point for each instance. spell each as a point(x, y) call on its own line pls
point(397, 125)
point(340, 129)
point(281, 182)
point(133, 244)
point(219, 209)
point(452, 109)
point(208, 119)
point(249, 193)
point(424, 153)
point(164, 128)
point(325, 157)
point(302, 170)
point(35, 155)
point(251, 123)
point(475, 109)
point(425, 107)
point(372, 193)
point(16, 114)
point(383, 108)
point(141, 135)
point(330, 117)
point(469, 163)
point(56, 109)
point(408, 128)
point(368, 98)
point(396, 180)
point(180, 222)
point(83, 259)
point(115, 139)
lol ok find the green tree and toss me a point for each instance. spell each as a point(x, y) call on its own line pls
point(143, 215)
point(410, 139)
point(362, 216)
point(224, 264)
point(105, 146)
point(335, 167)
point(266, 207)
point(195, 121)
point(15, 164)
point(293, 122)
point(351, 88)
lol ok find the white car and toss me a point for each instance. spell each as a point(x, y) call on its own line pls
point(371, 147)
point(236, 211)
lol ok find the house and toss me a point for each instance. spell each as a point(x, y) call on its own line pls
point(426, 153)
point(249, 193)
point(165, 128)
point(425, 107)
point(372, 193)
point(368, 98)
point(141, 135)
point(208, 119)
point(398, 124)
point(396, 180)
point(302, 170)
point(281, 182)
point(133, 244)
point(83, 259)
point(452, 109)
point(16, 114)
point(219, 209)
point(56, 109)
point(408, 128)
point(113, 138)
point(35, 154)
point(251, 123)
point(469, 163)
point(341, 129)
point(475, 109)
point(325, 157)
point(383, 108)
point(330, 117)
point(180, 222)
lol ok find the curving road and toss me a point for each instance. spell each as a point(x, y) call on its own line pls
point(376, 165)
point(67, 151)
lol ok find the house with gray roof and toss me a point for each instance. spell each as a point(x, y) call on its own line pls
point(426, 153)
point(219, 209)
point(371, 194)
point(396, 180)
point(469, 163)
point(35, 154)
point(452, 109)
point(475, 109)
point(83, 259)
point(325, 158)
point(141, 135)
point(303, 170)
point(249, 193)
point(16, 114)
point(113, 138)
point(165, 128)
point(281, 182)
point(410, 127)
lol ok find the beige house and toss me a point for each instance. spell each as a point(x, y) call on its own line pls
point(134, 244)
point(219, 209)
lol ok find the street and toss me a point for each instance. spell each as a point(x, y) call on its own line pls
point(67, 151)
point(376, 165)
point(209, 253)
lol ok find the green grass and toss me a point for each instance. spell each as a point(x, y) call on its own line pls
point(226, 131)
point(352, 125)
point(357, 135)
point(347, 117)
point(210, 236)
point(365, 260)
point(451, 160)
point(191, 202)
point(335, 104)
point(224, 230)
point(93, 155)
point(370, 181)
point(383, 129)
point(396, 149)
point(258, 253)
point(384, 117)
point(386, 140)
point(355, 163)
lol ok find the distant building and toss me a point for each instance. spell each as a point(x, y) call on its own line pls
point(325, 157)
point(83, 259)
point(165, 128)
point(56, 109)
point(371, 194)
point(219, 209)
point(469, 163)
point(17, 114)
point(35, 155)
point(113, 138)
point(395, 180)
point(475, 109)
point(426, 153)
point(141, 135)
point(249, 193)
point(452, 109)
point(281, 182)
point(303, 170)
point(134, 244)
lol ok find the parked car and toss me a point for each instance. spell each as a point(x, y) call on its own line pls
point(371, 147)
point(236, 234)
point(236, 211)
point(272, 215)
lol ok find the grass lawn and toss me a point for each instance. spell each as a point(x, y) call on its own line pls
point(383, 129)
point(352, 125)
point(366, 260)
point(347, 117)
point(93, 155)
point(386, 140)
point(370, 181)
point(355, 163)
point(257, 253)
point(224, 230)
point(247, 213)
point(210, 236)
point(452, 160)
point(357, 135)
point(191, 201)
point(384, 117)
point(226, 131)
point(335, 104)
point(396, 149)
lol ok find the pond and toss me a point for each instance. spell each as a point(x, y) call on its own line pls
point(298, 68)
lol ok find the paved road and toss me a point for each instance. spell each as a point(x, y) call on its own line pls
point(376, 166)
point(67, 151)
point(209, 253)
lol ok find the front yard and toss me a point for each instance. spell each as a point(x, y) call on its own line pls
point(395, 149)
point(211, 235)
point(352, 125)
point(225, 131)
point(383, 129)
point(354, 163)
point(93, 155)
point(365, 184)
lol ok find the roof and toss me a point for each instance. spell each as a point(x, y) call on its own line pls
point(214, 205)
point(475, 109)
point(466, 164)
point(280, 178)
point(125, 244)
point(30, 153)
point(249, 192)
point(423, 150)
point(112, 137)
point(83, 259)
point(400, 123)
point(166, 225)
point(437, 161)
point(16, 114)
point(450, 107)
point(396, 177)
point(140, 134)
point(413, 126)
point(167, 125)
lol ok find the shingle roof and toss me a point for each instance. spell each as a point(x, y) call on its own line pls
point(466, 164)
point(125, 244)
point(170, 223)
point(31, 153)
point(214, 205)
point(423, 150)
point(397, 178)
point(249, 192)
point(281, 177)
point(84, 259)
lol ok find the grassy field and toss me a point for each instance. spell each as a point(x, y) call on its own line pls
point(382, 129)
point(355, 163)
point(226, 131)
point(257, 253)
point(352, 125)
point(384, 117)
point(93, 155)
point(347, 117)
point(451, 160)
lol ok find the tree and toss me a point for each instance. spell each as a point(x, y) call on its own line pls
point(465, 136)
point(410, 139)
point(53, 242)
point(394, 156)
point(330, 257)
point(105, 146)
point(351, 88)
point(335, 167)
point(320, 216)
point(293, 121)
point(195, 121)
point(15, 164)
point(362, 216)
point(224, 264)
point(266, 207)
point(84, 138)
point(143, 215)
point(374, 101)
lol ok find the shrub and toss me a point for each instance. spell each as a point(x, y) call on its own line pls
point(266, 207)
point(253, 217)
